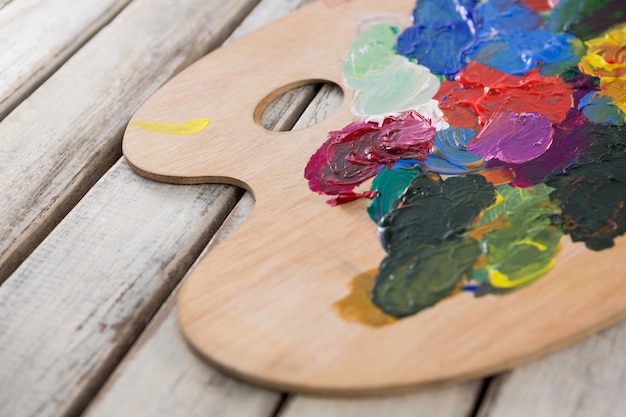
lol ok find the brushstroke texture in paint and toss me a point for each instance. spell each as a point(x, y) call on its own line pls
point(360, 150)
point(530, 134)
point(513, 137)
point(386, 83)
point(478, 92)
point(504, 34)
point(606, 59)
point(179, 129)
point(520, 240)
point(450, 155)
point(586, 19)
point(428, 252)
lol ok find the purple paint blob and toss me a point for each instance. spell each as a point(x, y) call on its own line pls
point(360, 150)
point(513, 138)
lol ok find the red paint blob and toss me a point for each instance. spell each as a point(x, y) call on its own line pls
point(358, 151)
point(478, 92)
point(538, 5)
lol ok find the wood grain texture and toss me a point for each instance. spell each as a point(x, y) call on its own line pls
point(585, 379)
point(76, 304)
point(434, 402)
point(162, 378)
point(260, 305)
point(38, 36)
point(59, 141)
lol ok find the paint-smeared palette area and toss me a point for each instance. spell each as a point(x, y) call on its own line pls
point(491, 128)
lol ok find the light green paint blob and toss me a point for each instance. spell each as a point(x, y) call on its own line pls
point(385, 82)
point(522, 250)
point(179, 129)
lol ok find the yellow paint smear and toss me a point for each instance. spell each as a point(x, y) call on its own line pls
point(500, 280)
point(179, 129)
point(357, 306)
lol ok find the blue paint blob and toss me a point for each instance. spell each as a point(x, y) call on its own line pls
point(503, 34)
point(599, 108)
point(450, 156)
point(442, 36)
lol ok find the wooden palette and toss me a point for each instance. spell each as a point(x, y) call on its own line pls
point(260, 305)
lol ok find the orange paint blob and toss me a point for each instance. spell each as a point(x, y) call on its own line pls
point(357, 306)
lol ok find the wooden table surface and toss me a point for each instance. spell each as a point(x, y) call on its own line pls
point(92, 254)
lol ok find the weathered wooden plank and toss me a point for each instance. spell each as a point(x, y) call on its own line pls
point(72, 309)
point(453, 401)
point(59, 141)
point(161, 377)
point(37, 36)
point(585, 379)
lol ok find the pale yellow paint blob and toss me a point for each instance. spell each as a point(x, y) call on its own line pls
point(179, 129)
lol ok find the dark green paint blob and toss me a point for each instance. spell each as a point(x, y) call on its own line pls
point(433, 210)
point(592, 194)
point(429, 254)
point(587, 19)
point(421, 276)
point(389, 185)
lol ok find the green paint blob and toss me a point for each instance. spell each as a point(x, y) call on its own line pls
point(370, 53)
point(385, 82)
point(586, 19)
point(433, 210)
point(389, 185)
point(592, 195)
point(522, 240)
point(424, 232)
point(421, 276)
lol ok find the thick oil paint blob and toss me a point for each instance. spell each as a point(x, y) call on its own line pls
point(592, 194)
point(360, 150)
point(511, 39)
point(432, 210)
point(429, 253)
point(519, 239)
point(504, 34)
point(179, 129)
point(442, 35)
point(478, 92)
point(606, 59)
point(415, 279)
point(586, 19)
point(601, 109)
point(389, 185)
point(513, 138)
point(385, 83)
point(450, 155)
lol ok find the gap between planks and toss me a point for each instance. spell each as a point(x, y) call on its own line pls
point(41, 36)
point(85, 106)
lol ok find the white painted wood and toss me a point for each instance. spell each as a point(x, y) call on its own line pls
point(74, 306)
point(37, 36)
point(453, 401)
point(56, 144)
point(586, 379)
